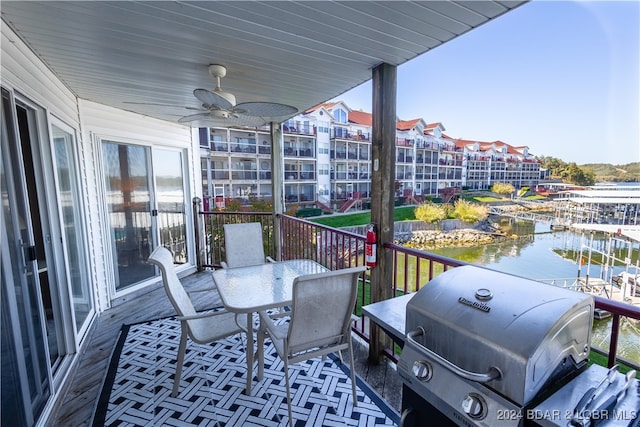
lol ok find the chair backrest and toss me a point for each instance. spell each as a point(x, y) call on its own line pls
point(175, 291)
point(243, 244)
point(321, 308)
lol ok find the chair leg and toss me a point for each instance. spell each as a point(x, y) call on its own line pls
point(260, 352)
point(286, 378)
point(352, 368)
point(181, 352)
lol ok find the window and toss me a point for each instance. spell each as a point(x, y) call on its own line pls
point(323, 148)
point(340, 115)
point(323, 127)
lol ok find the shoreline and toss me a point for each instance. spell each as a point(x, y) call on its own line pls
point(457, 238)
point(481, 234)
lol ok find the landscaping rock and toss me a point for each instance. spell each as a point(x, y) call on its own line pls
point(434, 239)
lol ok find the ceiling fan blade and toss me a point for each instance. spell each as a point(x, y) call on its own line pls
point(241, 121)
point(212, 98)
point(266, 109)
point(153, 104)
point(192, 117)
point(211, 118)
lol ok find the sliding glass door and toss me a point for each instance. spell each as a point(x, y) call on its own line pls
point(128, 191)
point(170, 200)
point(146, 205)
point(25, 353)
point(71, 211)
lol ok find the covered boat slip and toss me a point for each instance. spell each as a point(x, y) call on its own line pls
point(622, 251)
point(601, 206)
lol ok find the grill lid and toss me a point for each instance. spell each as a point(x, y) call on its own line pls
point(482, 320)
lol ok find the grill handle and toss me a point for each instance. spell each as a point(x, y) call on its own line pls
point(493, 373)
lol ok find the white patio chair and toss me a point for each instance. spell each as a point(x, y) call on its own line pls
point(320, 322)
point(201, 327)
point(243, 245)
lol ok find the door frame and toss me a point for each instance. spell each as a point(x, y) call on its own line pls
point(109, 249)
point(54, 253)
point(60, 249)
point(36, 124)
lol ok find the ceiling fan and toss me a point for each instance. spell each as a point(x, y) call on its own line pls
point(219, 105)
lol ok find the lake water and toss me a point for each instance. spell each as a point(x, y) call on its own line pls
point(539, 254)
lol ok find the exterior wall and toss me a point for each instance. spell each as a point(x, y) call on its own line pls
point(25, 76)
point(23, 71)
point(323, 142)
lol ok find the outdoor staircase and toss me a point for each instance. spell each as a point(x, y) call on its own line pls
point(325, 208)
point(348, 205)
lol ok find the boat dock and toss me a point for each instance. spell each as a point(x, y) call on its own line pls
point(622, 251)
point(619, 205)
point(600, 205)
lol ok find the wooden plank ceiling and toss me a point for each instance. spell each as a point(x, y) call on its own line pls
point(149, 56)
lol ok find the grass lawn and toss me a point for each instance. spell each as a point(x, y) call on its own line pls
point(483, 199)
point(402, 213)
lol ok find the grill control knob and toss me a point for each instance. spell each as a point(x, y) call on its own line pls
point(474, 406)
point(422, 370)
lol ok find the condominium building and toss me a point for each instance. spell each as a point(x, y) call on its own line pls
point(485, 163)
point(327, 160)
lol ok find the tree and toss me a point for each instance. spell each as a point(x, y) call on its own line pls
point(570, 173)
point(503, 188)
point(470, 212)
point(576, 175)
point(261, 205)
point(233, 205)
point(430, 212)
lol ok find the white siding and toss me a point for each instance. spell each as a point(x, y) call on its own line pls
point(23, 71)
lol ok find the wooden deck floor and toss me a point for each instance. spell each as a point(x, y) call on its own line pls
point(78, 403)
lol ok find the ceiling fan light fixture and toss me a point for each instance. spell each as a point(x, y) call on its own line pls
point(226, 95)
point(217, 71)
point(220, 114)
point(219, 105)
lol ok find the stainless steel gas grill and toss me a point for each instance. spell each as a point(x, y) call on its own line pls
point(483, 347)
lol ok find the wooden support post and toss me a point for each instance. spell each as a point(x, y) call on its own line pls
point(382, 192)
point(277, 191)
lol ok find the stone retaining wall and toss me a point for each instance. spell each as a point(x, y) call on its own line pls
point(450, 232)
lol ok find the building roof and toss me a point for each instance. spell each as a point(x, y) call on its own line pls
point(489, 146)
point(360, 118)
point(407, 124)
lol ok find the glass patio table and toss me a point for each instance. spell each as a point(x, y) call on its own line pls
point(248, 290)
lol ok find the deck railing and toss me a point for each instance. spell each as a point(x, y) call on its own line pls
point(210, 233)
point(334, 248)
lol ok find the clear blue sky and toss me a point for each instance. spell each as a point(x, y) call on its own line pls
point(561, 77)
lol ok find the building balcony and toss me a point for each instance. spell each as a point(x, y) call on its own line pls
point(343, 134)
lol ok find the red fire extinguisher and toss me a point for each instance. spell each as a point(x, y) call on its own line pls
point(370, 244)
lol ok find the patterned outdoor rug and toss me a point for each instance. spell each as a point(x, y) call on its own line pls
point(137, 390)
